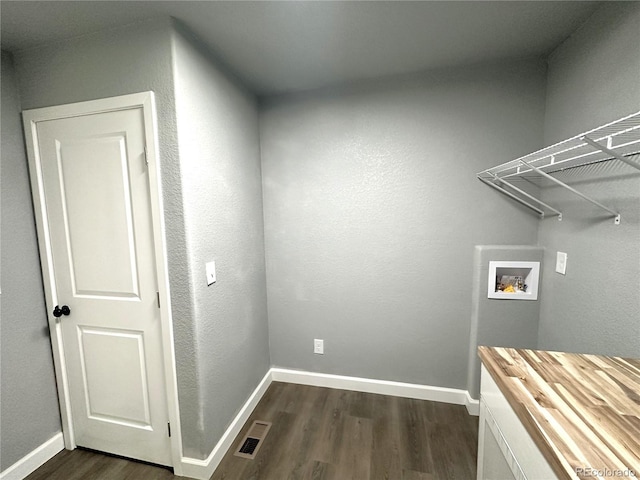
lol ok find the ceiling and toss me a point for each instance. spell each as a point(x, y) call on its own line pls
point(298, 45)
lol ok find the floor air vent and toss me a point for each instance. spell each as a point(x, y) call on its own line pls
point(253, 439)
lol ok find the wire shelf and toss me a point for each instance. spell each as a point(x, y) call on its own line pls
point(618, 140)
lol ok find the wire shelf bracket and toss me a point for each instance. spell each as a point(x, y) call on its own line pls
point(618, 140)
point(615, 214)
point(515, 197)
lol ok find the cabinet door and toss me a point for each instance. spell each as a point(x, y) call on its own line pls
point(500, 424)
point(495, 459)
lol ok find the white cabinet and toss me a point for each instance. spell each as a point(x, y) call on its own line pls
point(506, 451)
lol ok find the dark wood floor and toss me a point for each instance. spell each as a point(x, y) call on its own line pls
point(323, 434)
point(82, 464)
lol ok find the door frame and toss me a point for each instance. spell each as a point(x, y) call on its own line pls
point(146, 102)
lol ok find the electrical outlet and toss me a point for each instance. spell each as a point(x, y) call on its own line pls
point(318, 346)
point(561, 263)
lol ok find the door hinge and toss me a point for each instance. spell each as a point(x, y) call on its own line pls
point(158, 298)
point(146, 157)
point(169, 428)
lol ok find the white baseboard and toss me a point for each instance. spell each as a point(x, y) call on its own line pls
point(383, 387)
point(35, 459)
point(203, 469)
point(473, 405)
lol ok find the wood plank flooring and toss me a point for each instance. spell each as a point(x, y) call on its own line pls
point(326, 434)
point(80, 464)
point(322, 434)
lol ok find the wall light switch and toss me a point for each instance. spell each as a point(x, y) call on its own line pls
point(211, 272)
point(561, 263)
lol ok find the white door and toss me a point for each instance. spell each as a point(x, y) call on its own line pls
point(94, 185)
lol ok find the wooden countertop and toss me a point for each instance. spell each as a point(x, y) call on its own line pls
point(583, 411)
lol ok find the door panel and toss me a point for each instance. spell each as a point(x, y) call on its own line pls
point(116, 391)
point(98, 217)
point(94, 178)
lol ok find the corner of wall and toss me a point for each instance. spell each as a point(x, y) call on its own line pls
point(593, 80)
point(218, 150)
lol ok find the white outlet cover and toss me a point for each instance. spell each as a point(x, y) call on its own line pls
point(211, 272)
point(561, 263)
point(318, 346)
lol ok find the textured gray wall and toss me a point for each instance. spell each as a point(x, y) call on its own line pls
point(594, 78)
point(221, 180)
point(372, 212)
point(126, 60)
point(496, 322)
point(29, 414)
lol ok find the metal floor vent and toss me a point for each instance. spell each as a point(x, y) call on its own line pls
point(252, 441)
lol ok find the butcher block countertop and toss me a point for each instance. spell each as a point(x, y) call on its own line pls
point(582, 411)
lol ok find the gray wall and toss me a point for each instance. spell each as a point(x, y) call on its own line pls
point(372, 211)
point(498, 322)
point(221, 180)
point(594, 78)
point(29, 414)
point(131, 59)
